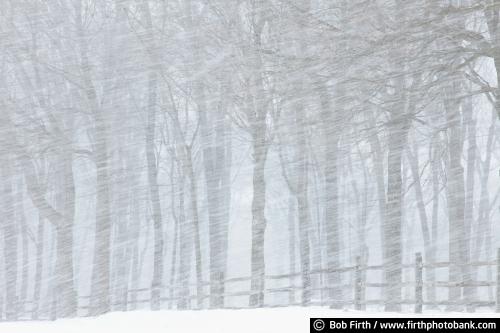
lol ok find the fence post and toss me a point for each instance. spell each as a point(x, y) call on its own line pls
point(419, 299)
point(358, 285)
point(498, 280)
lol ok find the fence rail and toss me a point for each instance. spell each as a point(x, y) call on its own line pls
point(358, 286)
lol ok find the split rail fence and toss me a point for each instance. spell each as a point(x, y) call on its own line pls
point(356, 288)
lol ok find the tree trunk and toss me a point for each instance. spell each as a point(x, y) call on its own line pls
point(413, 160)
point(470, 293)
point(483, 220)
point(291, 247)
point(40, 239)
point(196, 228)
point(121, 252)
point(154, 194)
point(491, 13)
point(185, 252)
point(21, 218)
point(303, 201)
point(216, 144)
point(257, 116)
point(153, 163)
point(258, 217)
point(100, 285)
point(100, 289)
point(66, 294)
point(456, 199)
point(63, 223)
point(330, 123)
point(398, 131)
point(9, 239)
point(435, 165)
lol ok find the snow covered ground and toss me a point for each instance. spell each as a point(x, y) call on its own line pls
point(217, 321)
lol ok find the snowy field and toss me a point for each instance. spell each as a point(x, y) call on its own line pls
point(217, 321)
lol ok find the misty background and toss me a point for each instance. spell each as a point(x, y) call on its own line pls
point(197, 154)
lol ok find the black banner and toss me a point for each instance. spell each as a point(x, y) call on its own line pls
point(410, 325)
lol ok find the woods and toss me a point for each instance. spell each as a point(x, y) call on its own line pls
point(153, 150)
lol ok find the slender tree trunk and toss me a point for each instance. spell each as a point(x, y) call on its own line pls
point(185, 252)
point(258, 217)
point(173, 270)
point(121, 253)
point(66, 294)
point(456, 199)
point(363, 249)
point(258, 129)
point(40, 240)
point(153, 164)
point(435, 165)
point(216, 160)
point(291, 246)
point(392, 227)
point(100, 285)
point(303, 202)
point(470, 293)
point(413, 160)
point(483, 221)
point(331, 125)
point(9, 238)
point(196, 228)
point(491, 13)
point(100, 290)
point(175, 242)
point(135, 232)
point(21, 218)
point(154, 194)
point(304, 222)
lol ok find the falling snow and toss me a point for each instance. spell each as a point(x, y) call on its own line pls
point(219, 154)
